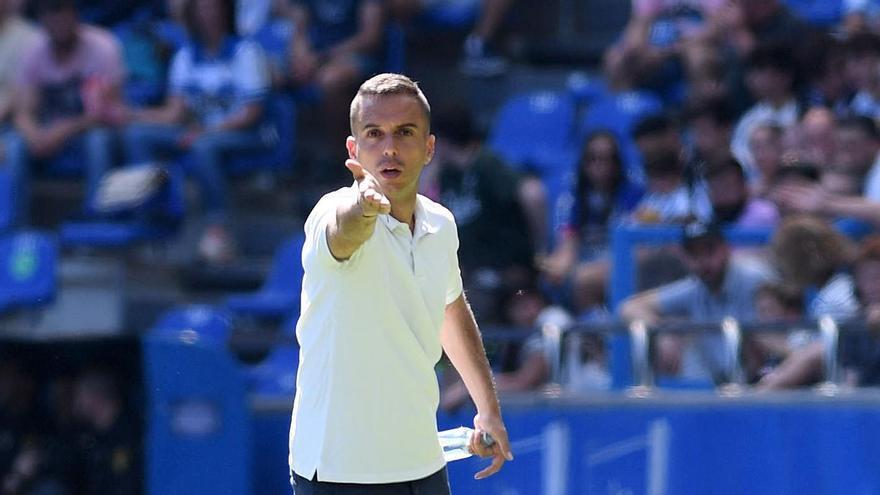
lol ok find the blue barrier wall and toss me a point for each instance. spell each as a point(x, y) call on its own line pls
point(679, 443)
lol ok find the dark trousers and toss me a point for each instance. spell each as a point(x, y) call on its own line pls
point(435, 484)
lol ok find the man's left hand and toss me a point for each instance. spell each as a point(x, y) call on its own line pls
point(498, 451)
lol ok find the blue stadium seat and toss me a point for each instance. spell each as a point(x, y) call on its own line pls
point(587, 89)
point(818, 12)
point(275, 375)
point(7, 201)
point(450, 15)
point(280, 294)
point(195, 323)
point(28, 270)
point(532, 130)
point(620, 112)
point(280, 110)
point(156, 220)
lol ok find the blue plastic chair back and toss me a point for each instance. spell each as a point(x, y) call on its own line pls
point(620, 112)
point(287, 270)
point(817, 12)
point(531, 125)
point(280, 115)
point(450, 15)
point(276, 375)
point(195, 323)
point(28, 269)
point(7, 201)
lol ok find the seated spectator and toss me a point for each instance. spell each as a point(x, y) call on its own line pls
point(810, 255)
point(67, 94)
point(496, 251)
point(818, 129)
point(214, 111)
point(710, 125)
point(481, 55)
point(603, 199)
point(720, 285)
point(520, 366)
point(336, 45)
point(774, 304)
point(16, 37)
point(770, 77)
point(825, 75)
point(765, 146)
point(731, 202)
point(746, 24)
point(862, 67)
point(857, 143)
point(110, 446)
point(656, 37)
point(668, 198)
point(861, 352)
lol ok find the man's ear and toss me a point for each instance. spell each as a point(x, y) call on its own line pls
point(351, 146)
point(432, 142)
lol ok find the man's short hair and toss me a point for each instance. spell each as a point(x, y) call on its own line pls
point(49, 6)
point(653, 125)
point(720, 166)
point(774, 56)
point(385, 85)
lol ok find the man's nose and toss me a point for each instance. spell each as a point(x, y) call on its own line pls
point(389, 146)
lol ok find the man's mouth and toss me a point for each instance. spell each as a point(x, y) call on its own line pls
point(390, 172)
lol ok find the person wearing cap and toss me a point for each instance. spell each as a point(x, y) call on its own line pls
point(719, 285)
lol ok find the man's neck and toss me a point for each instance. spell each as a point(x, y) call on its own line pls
point(403, 210)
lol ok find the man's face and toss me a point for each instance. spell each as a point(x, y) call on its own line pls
point(727, 193)
point(392, 141)
point(854, 150)
point(61, 27)
point(707, 259)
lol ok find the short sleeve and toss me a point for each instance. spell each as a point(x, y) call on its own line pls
point(316, 249)
point(677, 297)
point(454, 286)
point(251, 73)
point(181, 68)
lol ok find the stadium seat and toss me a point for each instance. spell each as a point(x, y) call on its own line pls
point(586, 89)
point(532, 131)
point(195, 323)
point(275, 375)
point(28, 270)
point(156, 220)
point(280, 294)
point(818, 12)
point(281, 112)
point(459, 14)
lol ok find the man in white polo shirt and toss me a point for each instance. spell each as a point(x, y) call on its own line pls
point(382, 298)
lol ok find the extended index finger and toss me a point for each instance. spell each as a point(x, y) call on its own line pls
point(356, 169)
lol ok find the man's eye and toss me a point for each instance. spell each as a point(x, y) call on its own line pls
point(374, 133)
point(406, 132)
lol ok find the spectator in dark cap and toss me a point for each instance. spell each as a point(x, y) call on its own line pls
point(719, 285)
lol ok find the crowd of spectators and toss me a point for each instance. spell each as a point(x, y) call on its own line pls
point(768, 121)
point(68, 432)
